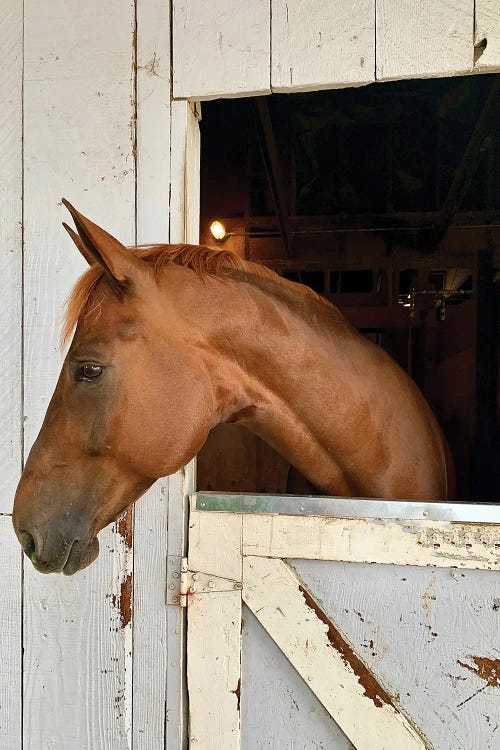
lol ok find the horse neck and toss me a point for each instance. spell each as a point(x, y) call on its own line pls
point(275, 369)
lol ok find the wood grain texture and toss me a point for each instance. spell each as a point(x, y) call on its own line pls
point(151, 513)
point(215, 544)
point(10, 638)
point(275, 595)
point(418, 630)
point(318, 44)
point(213, 647)
point(424, 39)
point(487, 28)
point(183, 227)
point(79, 142)
point(153, 121)
point(277, 708)
point(221, 48)
point(11, 250)
point(443, 544)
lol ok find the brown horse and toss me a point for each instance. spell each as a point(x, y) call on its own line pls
point(172, 340)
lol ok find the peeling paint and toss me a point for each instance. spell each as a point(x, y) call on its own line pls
point(486, 669)
point(237, 693)
point(373, 690)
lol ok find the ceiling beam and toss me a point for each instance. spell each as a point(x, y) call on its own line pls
point(274, 172)
point(467, 168)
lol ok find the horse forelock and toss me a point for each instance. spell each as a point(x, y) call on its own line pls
point(199, 258)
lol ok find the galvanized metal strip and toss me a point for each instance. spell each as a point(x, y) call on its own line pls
point(342, 507)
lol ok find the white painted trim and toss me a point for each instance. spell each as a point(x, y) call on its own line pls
point(440, 543)
point(214, 664)
point(371, 720)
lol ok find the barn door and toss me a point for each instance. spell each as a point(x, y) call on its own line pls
point(327, 623)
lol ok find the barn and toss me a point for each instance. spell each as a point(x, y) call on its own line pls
point(353, 147)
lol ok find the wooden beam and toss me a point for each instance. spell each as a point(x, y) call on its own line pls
point(443, 544)
point(272, 164)
point(470, 160)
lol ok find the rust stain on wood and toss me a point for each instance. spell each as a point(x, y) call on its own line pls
point(237, 693)
point(124, 527)
point(486, 669)
point(373, 690)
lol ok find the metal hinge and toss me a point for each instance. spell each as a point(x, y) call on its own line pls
point(177, 580)
point(182, 582)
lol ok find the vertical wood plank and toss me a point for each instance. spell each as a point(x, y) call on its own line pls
point(79, 142)
point(317, 45)
point(184, 223)
point(150, 658)
point(215, 542)
point(10, 638)
point(11, 44)
point(220, 48)
point(153, 120)
point(424, 39)
point(487, 29)
point(214, 635)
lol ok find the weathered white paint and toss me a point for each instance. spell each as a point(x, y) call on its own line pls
point(440, 543)
point(273, 593)
point(11, 40)
point(10, 638)
point(221, 48)
point(415, 628)
point(215, 544)
point(153, 121)
point(318, 44)
point(213, 648)
point(183, 227)
point(151, 646)
point(425, 38)
point(487, 27)
point(278, 710)
point(78, 142)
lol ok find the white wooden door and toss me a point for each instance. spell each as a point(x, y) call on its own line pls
point(327, 623)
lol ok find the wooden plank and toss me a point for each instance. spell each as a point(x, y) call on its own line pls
point(487, 28)
point(153, 121)
point(419, 630)
point(220, 48)
point(318, 45)
point(10, 638)
point(11, 250)
point(215, 543)
point(183, 227)
point(441, 543)
point(214, 677)
point(424, 39)
point(322, 656)
point(151, 515)
point(79, 143)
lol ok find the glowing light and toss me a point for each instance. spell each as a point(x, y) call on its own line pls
point(218, 230)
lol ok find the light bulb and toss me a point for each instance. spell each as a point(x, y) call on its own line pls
point(218, 230)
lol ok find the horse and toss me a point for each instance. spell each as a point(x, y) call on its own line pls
point(171, 341)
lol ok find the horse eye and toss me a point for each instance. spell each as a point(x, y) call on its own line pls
point(89, 372)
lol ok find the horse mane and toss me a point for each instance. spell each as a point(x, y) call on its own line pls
point(201, 259)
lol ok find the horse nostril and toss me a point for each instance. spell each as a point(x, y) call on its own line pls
point(28, 543)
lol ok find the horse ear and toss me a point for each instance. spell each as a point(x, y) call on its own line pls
point(98, 246)
point(82, 247)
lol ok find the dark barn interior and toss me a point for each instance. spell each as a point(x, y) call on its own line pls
point(386, 199)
